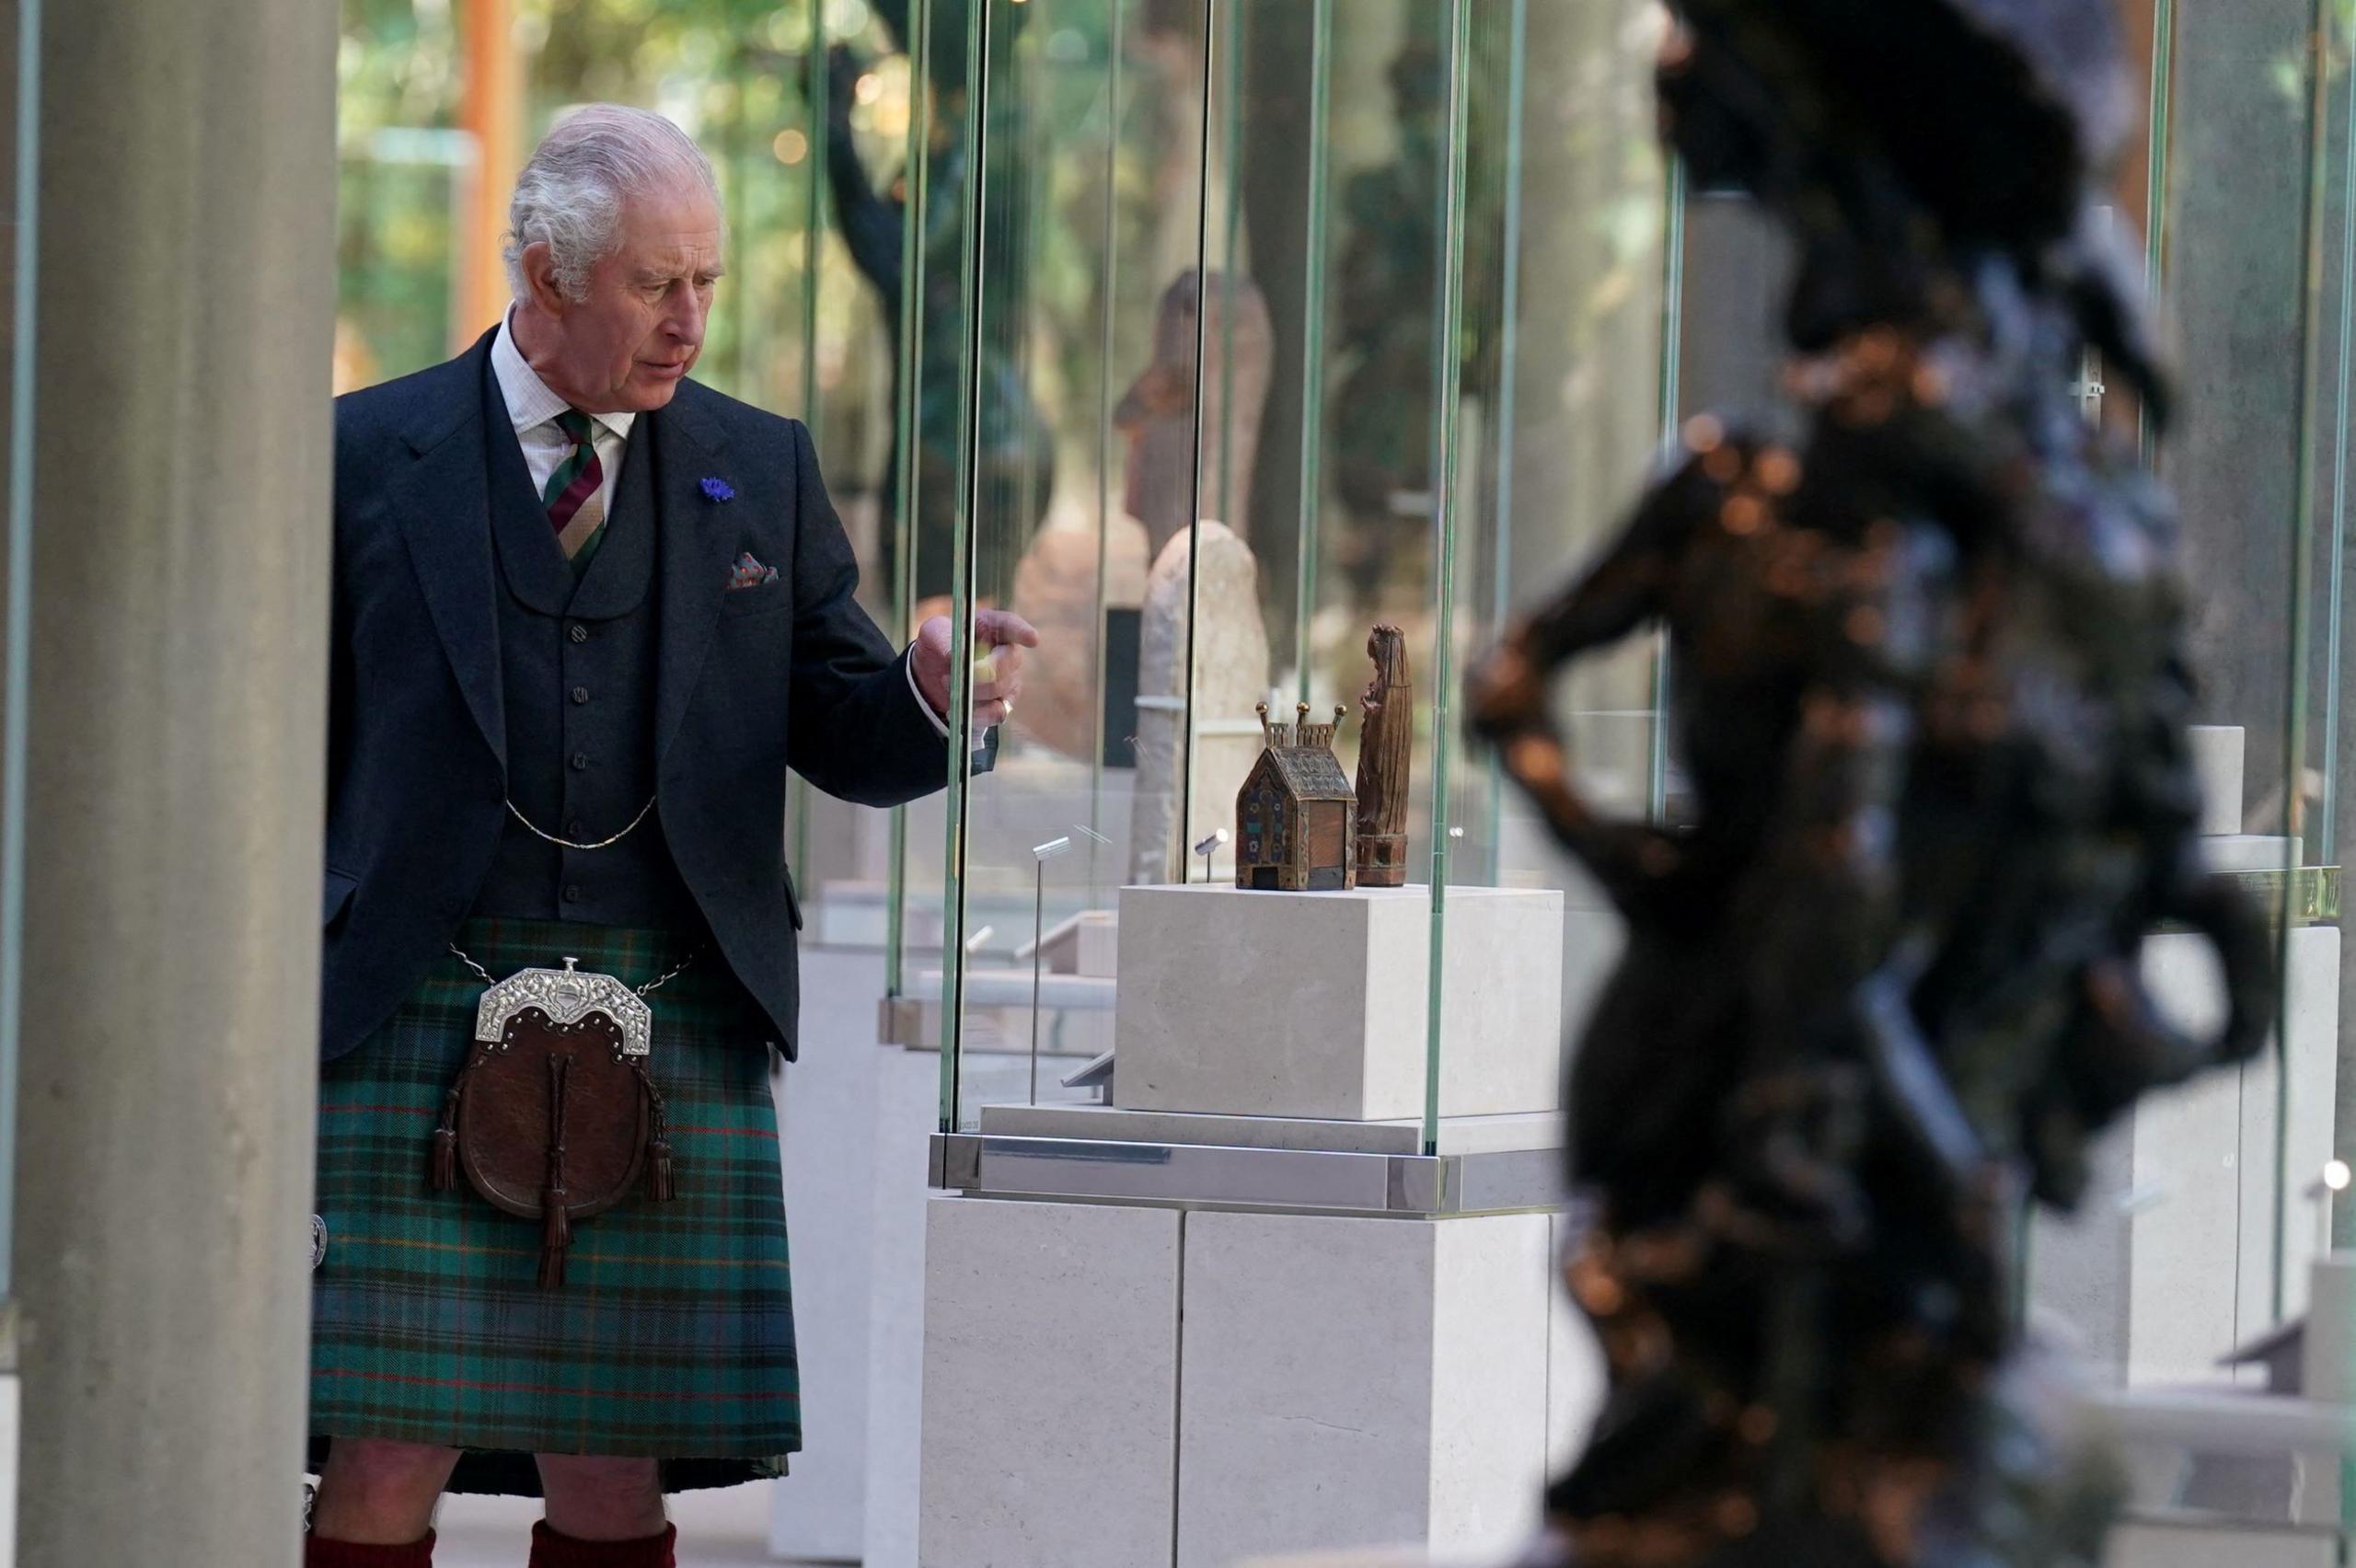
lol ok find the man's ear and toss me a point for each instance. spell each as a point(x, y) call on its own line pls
point(540, 278)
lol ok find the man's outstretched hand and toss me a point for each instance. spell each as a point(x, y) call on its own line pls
point(997, 632)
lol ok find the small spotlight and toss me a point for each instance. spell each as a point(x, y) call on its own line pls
point(791, 146)
point(867, 88)
point(2336, 1175)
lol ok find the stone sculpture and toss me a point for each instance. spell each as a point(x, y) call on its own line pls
point(1212, 578)
point(1296, 819)
point(1056, 586)
point(1386, 745)
point(1931, 698)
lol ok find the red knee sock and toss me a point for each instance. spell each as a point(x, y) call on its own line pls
point(318, 1552)
point(550, 1549)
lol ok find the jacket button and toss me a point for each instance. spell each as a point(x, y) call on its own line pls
point(573, 892)
point(579, 633)
point(580, 761)
point(579, 694)
point(575, 828)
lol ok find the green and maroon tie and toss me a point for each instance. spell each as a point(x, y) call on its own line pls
point(575, 491)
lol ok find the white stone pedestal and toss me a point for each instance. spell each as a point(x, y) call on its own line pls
point(1227, 1385)
point(856, 1118)
point(2169, 1264)
point(1361, 1381)
point(1316, 1004)
point(1049, 1450)
point(2217, 752)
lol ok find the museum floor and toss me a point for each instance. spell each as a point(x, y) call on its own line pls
point(717, 1529)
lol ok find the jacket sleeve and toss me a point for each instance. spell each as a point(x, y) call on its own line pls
point(859, 732)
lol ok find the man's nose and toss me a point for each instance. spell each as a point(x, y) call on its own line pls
point(686, 317)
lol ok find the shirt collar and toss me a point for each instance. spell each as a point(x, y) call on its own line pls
point(530, 402)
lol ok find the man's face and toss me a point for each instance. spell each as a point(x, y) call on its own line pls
point(626, 348)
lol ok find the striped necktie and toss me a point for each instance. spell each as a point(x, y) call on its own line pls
point(576, 493)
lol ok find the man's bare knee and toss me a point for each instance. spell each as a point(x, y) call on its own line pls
point(590, 1498)
point(377, 1492)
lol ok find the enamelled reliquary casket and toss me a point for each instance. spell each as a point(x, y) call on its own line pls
point(1296, 816)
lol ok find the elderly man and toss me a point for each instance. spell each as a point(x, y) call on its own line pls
point(587, 613)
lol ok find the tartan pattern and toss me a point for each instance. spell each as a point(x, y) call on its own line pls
point(673, 1335)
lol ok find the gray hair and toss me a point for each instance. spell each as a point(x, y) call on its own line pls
point(570, 195)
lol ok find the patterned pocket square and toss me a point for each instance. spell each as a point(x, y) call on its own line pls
point(750, 573)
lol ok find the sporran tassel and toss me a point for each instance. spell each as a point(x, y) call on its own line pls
point(556, 1226)
point(442, 1171)
point(661, 1186)
point(556, 1236)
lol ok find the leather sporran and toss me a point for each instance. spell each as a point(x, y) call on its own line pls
point(554, 1116)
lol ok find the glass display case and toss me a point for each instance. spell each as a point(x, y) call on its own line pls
point(2212, 1204)
point(1452, 300)
point(1255, 366)
point(1210, 335)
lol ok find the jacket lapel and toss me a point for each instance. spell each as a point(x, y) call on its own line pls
point(443, 502)
point(697, 545)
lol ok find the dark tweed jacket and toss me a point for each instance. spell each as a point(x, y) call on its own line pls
point(748, 682)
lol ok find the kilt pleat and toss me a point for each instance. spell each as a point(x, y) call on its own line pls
point(673, 1335)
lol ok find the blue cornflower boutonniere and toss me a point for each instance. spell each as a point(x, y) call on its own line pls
point(719, 489)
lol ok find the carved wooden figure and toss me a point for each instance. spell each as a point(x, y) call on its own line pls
point(1296, 820)
point(1385, 746)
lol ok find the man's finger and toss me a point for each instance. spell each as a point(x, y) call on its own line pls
point(1002, 628)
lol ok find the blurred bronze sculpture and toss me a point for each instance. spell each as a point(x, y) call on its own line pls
point(1015, 447)
point(1882, 988)
point(1296, 822)
point(1386, 744)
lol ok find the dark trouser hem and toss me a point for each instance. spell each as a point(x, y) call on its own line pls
point(506, 1472)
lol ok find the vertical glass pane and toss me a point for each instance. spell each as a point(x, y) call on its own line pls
point(2334, 838)
point(1566, 318)
point(1082, 409)
point(2205, 1210)
point(1448, 505)
point(20, 24)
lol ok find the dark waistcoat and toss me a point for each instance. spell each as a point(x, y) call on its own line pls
point(578, 660)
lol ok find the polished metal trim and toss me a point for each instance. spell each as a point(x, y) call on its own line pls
point(2311, 893)
point(1219, 1175)
point(566, 995)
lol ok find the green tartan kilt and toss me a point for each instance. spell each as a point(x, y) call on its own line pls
point(673, 1335)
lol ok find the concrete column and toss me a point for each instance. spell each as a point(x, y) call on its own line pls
point(180, 611)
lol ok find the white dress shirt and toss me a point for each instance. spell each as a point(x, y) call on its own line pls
point(533, 407)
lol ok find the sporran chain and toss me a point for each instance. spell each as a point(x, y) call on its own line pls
point(646, 990)
point(539, 831)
